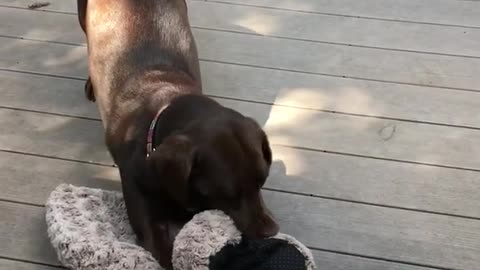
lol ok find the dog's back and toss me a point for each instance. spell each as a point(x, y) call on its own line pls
point(128, 38)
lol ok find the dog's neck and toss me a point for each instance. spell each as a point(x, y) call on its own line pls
point(151, 130)
point(128, 126)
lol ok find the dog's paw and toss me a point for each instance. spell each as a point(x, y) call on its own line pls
point(89, 93)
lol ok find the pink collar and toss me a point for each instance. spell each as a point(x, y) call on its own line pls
point(151, 131)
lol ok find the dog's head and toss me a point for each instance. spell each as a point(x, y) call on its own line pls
point(219, 162)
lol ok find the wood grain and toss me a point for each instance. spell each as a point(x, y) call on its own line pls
point(359, 97)
point(30, 179)
point(291, 25)
point(446, 12)
point(17, 265)
point(423, 11)
point(335, 60)
point(24, 234)
point(360, 201)
point(381, 138)
point(29, 214)
point(379, 232)
point(336, 176)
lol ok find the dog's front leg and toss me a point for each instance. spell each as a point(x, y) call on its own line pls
point(89, 93)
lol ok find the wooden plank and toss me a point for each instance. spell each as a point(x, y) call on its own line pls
point(366, 136)
point(283, 88)
point(380, 232)
point(463, 13)
point(377, 242)
point(59, 27)
point(302, 90)
point(423, 11)
point(395, 66)
point(376, 181)
point(53, 135)
point(366, 98)
point(17, 265)
point(24, 234)
point(366, 63)
point(288, 88)
point(345, 30)
point(334, 261)
point(54, 95)
point(373, 231)
point(29, 218)
point(325, 260)
point(430, 109)
point(444, 190)
point(388, 139)
point(30, 179)
point(54, 5)
point(42, 57)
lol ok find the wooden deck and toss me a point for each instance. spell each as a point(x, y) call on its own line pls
point(372, 107)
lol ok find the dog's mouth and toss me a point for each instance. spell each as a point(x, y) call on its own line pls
point(256, 226)
point(194, 210)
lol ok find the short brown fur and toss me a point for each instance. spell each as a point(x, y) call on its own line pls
point(142, 57)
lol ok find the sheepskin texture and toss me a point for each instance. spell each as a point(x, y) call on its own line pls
point(89, 229)
point(195, 243)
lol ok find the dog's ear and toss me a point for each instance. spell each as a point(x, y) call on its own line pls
point(172, 164)
point(266, 149)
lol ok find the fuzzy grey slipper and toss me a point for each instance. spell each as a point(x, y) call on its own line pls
point(89, 230)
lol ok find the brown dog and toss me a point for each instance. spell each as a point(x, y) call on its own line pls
point(178, 151)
